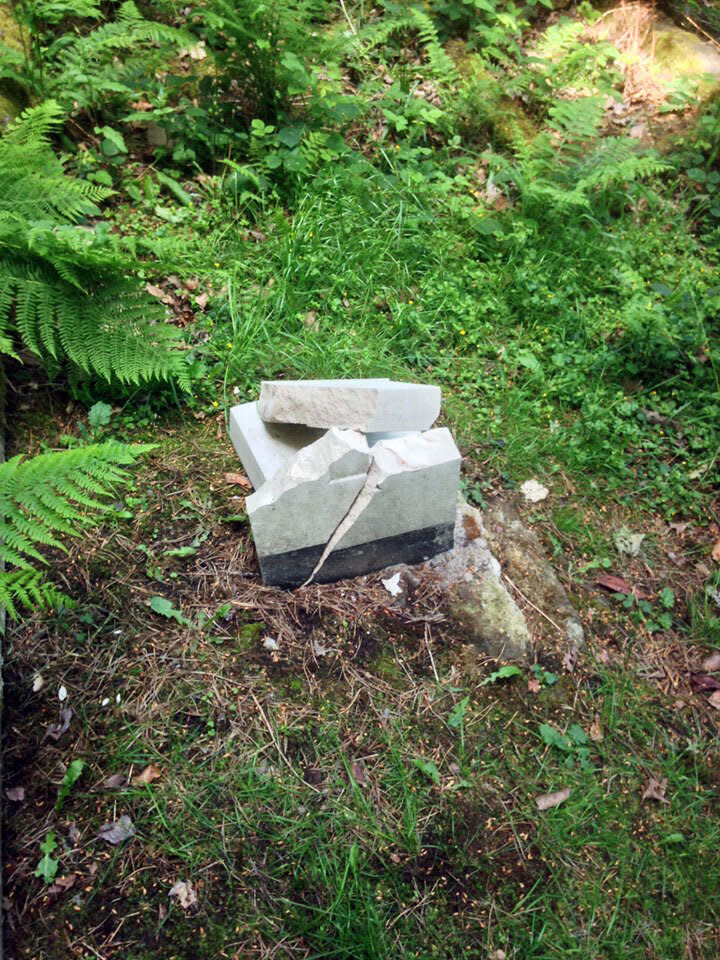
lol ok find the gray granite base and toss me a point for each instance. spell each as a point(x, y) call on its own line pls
point(293, 568)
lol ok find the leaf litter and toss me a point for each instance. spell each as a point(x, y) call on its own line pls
point(150, 773)
point(655, 790)
point(117, 832)
point(185, 894)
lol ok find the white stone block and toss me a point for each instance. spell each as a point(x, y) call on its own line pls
point(372, 406)
point(264, 448)
point(295, 513)
point(405, 511)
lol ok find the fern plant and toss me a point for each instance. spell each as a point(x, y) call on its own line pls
point(571, 169)
point(66, 292)
point(43, 499)
point(406, 19)
point(83, 69)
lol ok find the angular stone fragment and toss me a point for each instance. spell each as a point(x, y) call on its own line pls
point(477, 598)
point(295, 513)
point(405, 512)
point(372, 406)
point(265, 447)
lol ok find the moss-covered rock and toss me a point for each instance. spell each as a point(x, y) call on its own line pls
point(12, 97)
point(680, 54)
point(9, 108)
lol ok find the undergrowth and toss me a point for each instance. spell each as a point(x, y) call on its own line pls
point(226, 193)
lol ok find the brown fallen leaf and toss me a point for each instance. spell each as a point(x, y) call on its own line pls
point(570, 659)
point(716, 552)
point(238, 478)
point(313, 776)
point(150, 773)
point(655, 790)
point(115, 781)
point(201, 300)
point(155, 291)
point(63, 883)
point(549, 800)
point(16, 794)
point(533, 685)
point(679, 528)
point(257, 235)
point(56, 730)
point(712, 663)
point(701, 681)
point(714, 700)
point(120, 830)
point(613, 583)
point(357, 768)
point(310, 320)
point(596, 731)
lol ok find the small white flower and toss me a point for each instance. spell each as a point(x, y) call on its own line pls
point(62, 693)
point(38, 683)
point(105, 701)
point(270, 644)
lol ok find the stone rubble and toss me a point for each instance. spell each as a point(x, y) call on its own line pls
point(372, 406)
point(371, 492)
point(376, 487)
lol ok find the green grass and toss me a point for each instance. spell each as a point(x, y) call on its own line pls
point(585, 349)
point(305, 820)
point(378, 802)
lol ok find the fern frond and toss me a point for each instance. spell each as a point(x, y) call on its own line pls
point(64, 290)
point(577, 119)
point(53, 11)
point(114, 330)
point(90, 66)
point(33, 182)
point(418, 20)
point(27, 589)
point(44, 498)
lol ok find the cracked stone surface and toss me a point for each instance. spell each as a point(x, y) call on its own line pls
point(373, 406)
point(405, 511)
point(294, 514)
point(264, 448)
point(339, 509)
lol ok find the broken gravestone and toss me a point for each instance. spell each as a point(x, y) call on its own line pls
point(378, 488)
point(348, 477)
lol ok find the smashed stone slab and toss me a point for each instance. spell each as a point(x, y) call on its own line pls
point(372, 406)
point(339, 509)
point(405, 512)
point(296, 512)
point(264, 448)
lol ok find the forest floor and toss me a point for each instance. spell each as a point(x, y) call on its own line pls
point(333, 793)
point(202, 766)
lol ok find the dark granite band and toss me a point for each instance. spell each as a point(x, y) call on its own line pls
point(293, 568)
